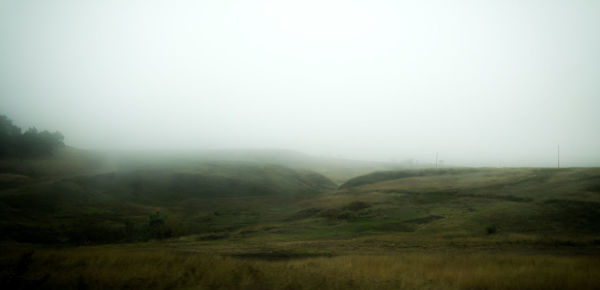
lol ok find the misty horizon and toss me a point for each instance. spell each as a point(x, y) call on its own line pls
point(479, 84)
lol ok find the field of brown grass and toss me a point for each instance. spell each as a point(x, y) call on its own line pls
point(113, 267)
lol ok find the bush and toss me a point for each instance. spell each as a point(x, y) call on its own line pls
point(159, 227)
point(491, 229)
point(357, 205)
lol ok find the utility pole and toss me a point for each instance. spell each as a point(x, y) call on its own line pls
point(558, 156)
point(436, 160)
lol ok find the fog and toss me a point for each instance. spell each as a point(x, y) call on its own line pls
point(482, 83)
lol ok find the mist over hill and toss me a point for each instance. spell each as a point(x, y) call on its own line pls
point(368, 81)
point(315, 144)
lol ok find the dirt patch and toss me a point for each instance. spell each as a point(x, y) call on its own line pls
point(498, 197)
point(278, 255)
point(424, 220)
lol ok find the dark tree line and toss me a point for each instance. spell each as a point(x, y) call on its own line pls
point(31, 143)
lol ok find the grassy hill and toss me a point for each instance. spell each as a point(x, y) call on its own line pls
point(250, 222)
point(336, 169)
point(77, 191)
point(113, 206)
point(489, 205)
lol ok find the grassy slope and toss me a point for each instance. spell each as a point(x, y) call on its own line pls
point(338, 170)
point(465, 204)
point(197, 197)
point(442, 223)
point(257, 202)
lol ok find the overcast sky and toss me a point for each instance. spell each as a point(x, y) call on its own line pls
point(480, 82)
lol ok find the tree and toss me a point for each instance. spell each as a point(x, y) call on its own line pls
point(9, 135)
point(32, 143)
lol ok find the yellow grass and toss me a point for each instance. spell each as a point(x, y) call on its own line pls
point(111, 267)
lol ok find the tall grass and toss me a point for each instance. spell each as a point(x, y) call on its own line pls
point(102, 268)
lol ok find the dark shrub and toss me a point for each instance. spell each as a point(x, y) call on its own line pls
point(491, 230)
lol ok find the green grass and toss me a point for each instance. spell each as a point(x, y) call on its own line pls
point(248, 225)
point(204, 198)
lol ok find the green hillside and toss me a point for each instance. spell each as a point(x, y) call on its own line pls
point(253, 223)
point(494, 205)
point(119, 205)
point(336, 169)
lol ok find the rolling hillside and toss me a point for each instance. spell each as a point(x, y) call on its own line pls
point(210, 223)
point(116, 206)
point(443, 206)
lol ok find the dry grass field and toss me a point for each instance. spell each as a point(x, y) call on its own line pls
point(125, 268)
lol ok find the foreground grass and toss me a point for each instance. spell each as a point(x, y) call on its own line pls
point(461, 229)
point(114, 267)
